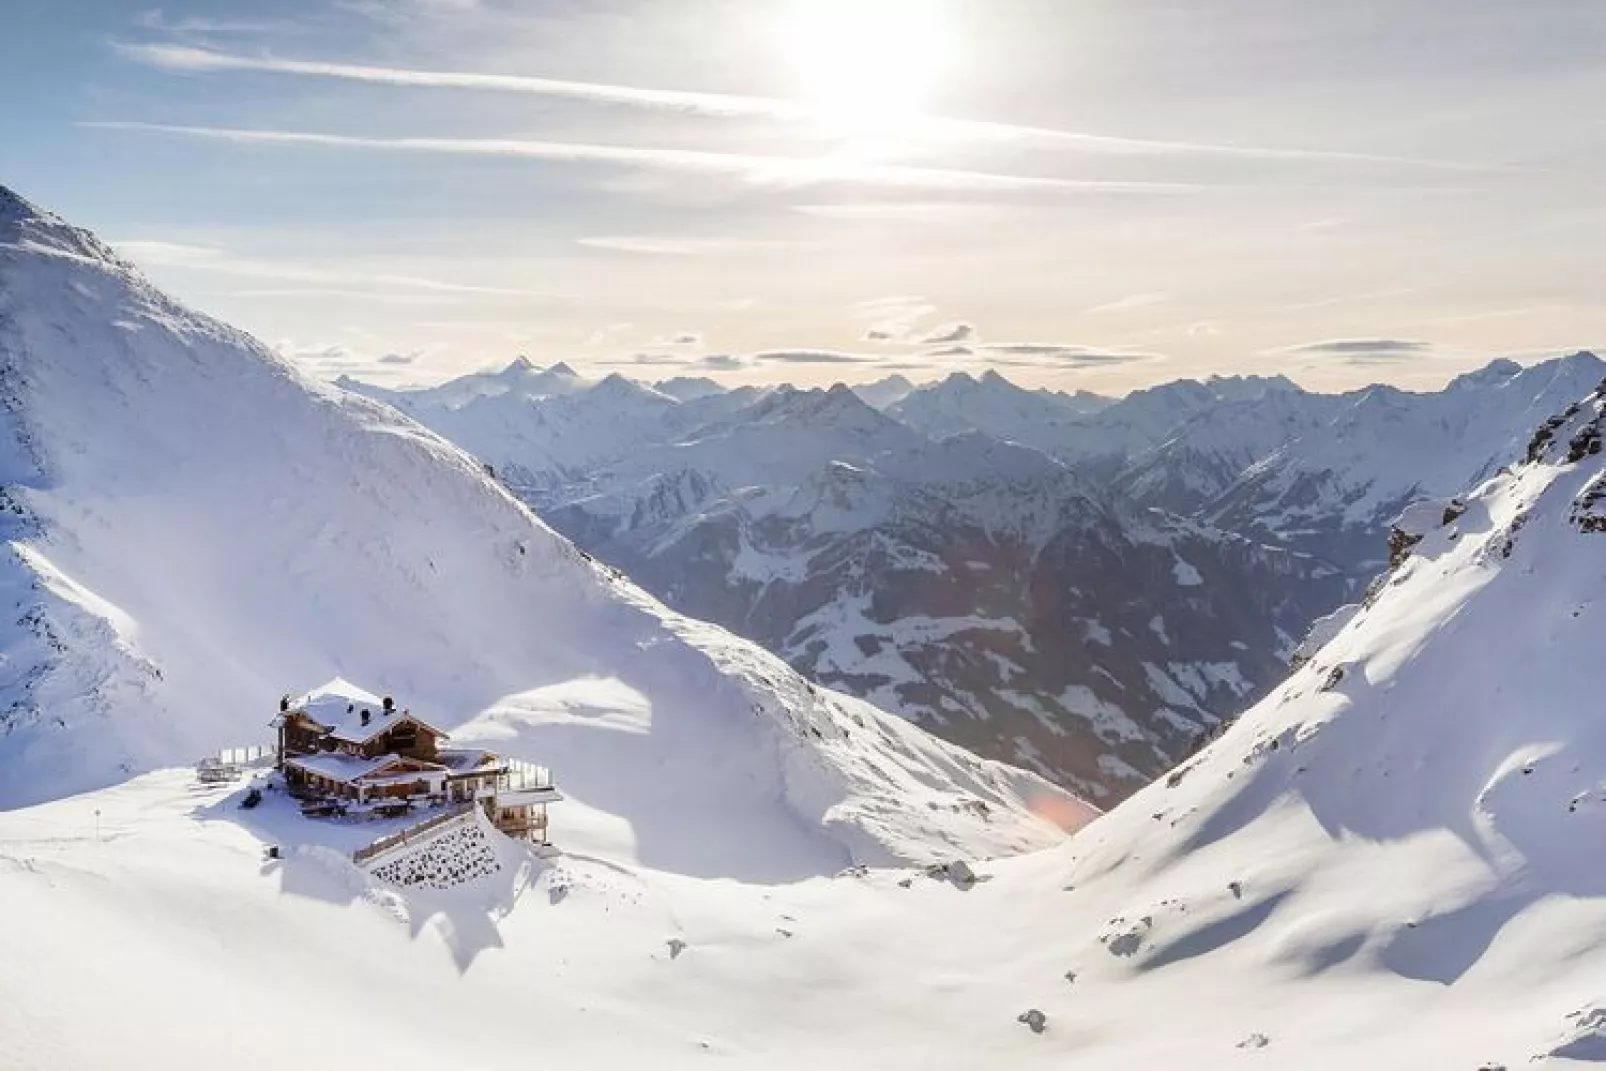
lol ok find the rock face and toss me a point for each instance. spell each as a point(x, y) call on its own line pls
point(458, 854)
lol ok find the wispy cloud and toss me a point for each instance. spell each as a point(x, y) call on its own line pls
point(193, 59)
point(1363, 348)
point(949, 333)
point(1058, 355)
point(892, 318)
point(1126, 304)
point(207, 259)
point(603, 334)
point(686, 247)
point(922, 212)
point(809, 357)
point(196, 27)
point(329, 360)
point(1351, 299)
point(759, 170)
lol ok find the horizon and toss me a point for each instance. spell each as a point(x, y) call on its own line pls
point(1081, 197)
point(919, 381)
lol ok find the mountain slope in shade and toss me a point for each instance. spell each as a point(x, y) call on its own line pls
point(1387, 863)
point(973, 585)
point(194, 529)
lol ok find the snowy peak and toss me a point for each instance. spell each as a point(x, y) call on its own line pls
point(23, 223)
point(619, 389)
point(885, 392)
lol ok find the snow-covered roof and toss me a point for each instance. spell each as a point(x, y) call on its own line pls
point(340, 767)
point(347, 768)
point(338, 706)
point(461, 761)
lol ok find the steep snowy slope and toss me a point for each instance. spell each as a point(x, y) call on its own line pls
point(194, 529)
point(1391, 862)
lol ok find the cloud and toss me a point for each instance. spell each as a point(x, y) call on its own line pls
point(205, 258)
point(951, 351)
point(756, 170)
point(892, 318)
point(721, 105)
point(1126, 304)
point(329, 360)
point(1058, 355)
point(930, 212)
point(1360, 349)
point(603, 334)
point(949, 333)
point(679, 338)
point(723, 362)
point(1351, 299)
point(194, 26)
point(686, 247)
point(809, 357)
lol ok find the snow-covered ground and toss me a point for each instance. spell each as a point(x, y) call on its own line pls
point(1390, 862)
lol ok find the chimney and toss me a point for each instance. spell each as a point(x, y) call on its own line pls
point(284, 704)
point(390, 705)
point(365, 716)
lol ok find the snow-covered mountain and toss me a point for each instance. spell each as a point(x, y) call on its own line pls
point(993, 405)
point(1330, 489)
point(1388, 862)
point(972, 583)
point(194, 528)
point(1082, 586)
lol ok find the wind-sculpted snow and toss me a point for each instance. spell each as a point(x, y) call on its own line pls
point(195, 529)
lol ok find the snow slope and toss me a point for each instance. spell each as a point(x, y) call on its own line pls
point(194, 529)
point(1391, 862)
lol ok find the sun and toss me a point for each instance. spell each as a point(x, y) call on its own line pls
point(866, 68)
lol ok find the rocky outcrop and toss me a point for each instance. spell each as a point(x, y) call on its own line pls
point(458, 853)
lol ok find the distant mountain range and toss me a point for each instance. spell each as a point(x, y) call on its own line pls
point(1081, 585)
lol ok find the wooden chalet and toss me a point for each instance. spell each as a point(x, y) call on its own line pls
point(342, 749)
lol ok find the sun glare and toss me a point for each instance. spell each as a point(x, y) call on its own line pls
point(868, 67)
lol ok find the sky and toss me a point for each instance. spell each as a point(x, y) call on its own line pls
point(1081, 194)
